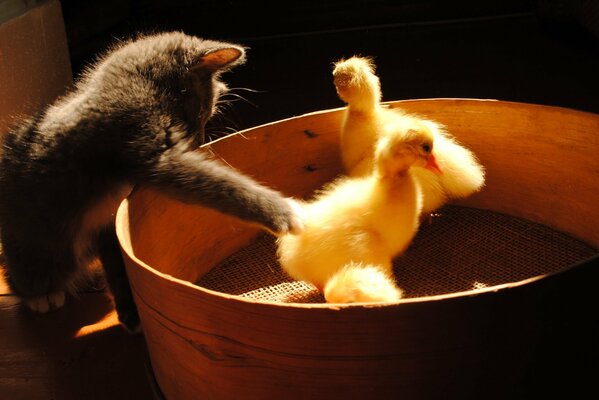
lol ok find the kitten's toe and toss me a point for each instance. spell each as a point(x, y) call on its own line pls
point(49, 302)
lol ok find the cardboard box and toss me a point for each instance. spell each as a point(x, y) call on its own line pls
point(34, 61)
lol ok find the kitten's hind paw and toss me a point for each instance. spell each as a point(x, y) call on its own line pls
point(49, 302)
point(130, 321)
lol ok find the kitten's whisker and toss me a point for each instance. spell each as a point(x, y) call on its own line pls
point(222, 119)
point(246, 89)
point(227, 104)
point(230, 129)
point(215, 154)
point(227, 122)
point(227, 130)
point(227, 101)
point(223, 105)
point(215, 132)
point(237, 97)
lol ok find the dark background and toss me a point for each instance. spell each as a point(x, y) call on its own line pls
point(544, 52)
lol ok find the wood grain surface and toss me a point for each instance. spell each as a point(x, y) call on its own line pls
point(77, 352)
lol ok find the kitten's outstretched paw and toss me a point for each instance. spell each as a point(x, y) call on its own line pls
point(289, 220)
point(43, 304)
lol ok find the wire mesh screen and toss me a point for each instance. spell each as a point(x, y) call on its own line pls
point(459, 249)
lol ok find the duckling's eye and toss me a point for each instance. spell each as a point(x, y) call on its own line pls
point(426, 147)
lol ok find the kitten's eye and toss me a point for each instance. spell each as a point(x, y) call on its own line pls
point(426, 147)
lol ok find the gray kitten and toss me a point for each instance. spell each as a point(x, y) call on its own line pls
point(135, 117)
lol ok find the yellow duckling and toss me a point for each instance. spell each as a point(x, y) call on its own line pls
point(356, 225)
point(366, 120)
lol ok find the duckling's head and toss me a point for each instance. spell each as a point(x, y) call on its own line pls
point(406, 142)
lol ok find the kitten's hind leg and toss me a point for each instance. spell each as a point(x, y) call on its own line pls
point(110, 255)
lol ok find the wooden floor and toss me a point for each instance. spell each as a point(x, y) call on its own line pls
point(79, 352)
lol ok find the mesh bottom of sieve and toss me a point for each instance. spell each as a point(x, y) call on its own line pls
point(460, 249)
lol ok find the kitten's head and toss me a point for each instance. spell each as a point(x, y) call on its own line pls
point(177, 73)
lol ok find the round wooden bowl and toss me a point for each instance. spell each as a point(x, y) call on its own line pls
point(509, 338)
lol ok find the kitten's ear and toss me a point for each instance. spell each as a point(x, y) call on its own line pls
point(221, 58)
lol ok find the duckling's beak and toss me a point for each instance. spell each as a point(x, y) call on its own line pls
point(431, 164)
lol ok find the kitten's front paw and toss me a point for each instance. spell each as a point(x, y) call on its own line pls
point(43, 304)
point(292, 221)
